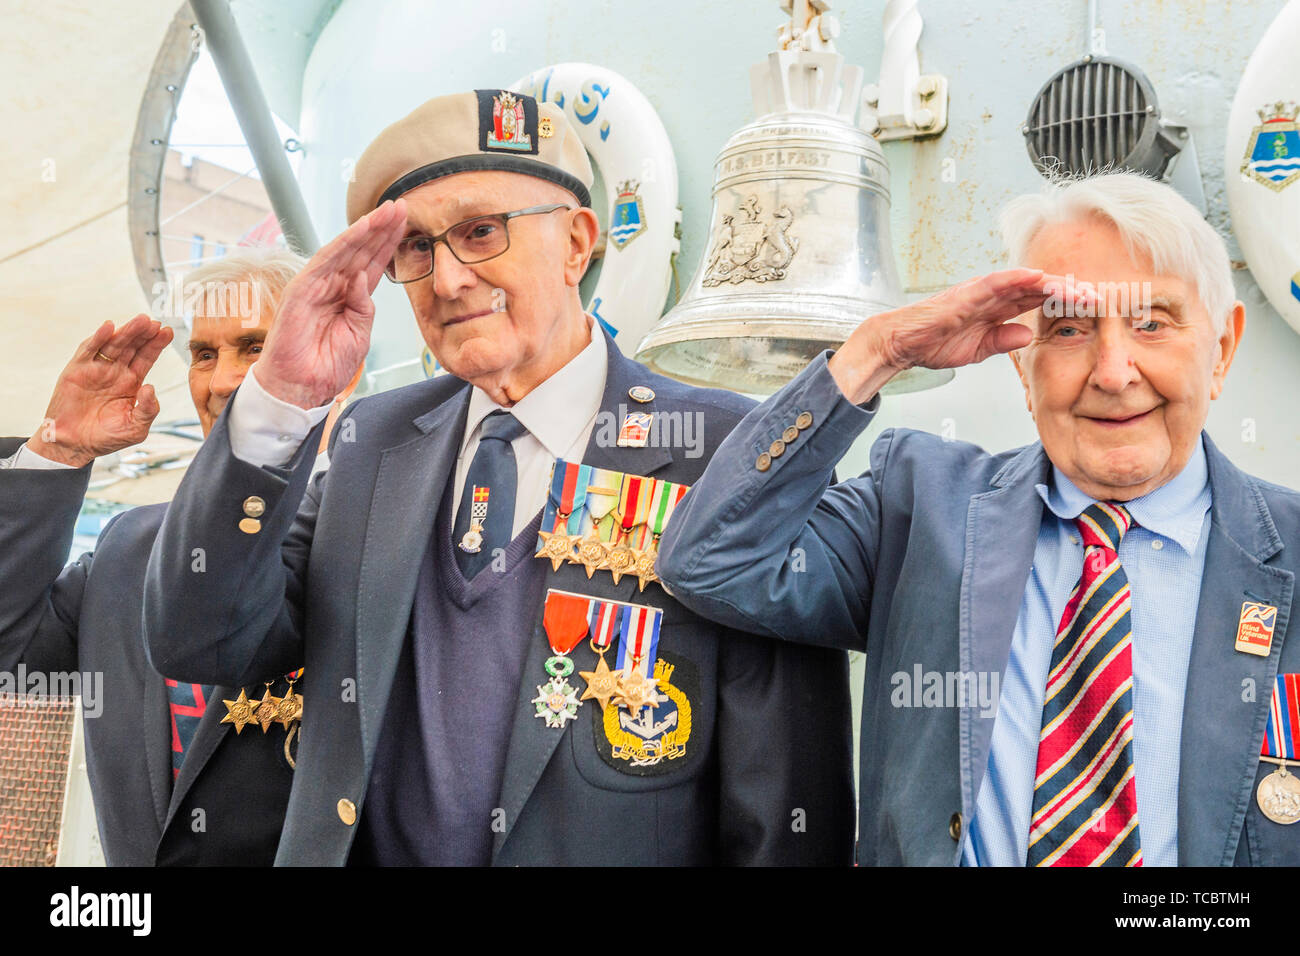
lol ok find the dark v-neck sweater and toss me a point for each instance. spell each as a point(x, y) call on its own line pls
point(442, 751)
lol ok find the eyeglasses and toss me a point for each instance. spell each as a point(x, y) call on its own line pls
point(471, 241)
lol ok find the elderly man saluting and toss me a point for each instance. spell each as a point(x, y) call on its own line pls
point(179, 776)
point(493, 697)
point(1127, 589)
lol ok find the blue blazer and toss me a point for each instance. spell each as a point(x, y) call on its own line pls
point(227, 804)
point(924, 560)
point(332, 575)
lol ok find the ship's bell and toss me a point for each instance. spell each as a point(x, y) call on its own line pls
point(799, 253)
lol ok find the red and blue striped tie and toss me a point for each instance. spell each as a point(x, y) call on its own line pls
point(1085, 791)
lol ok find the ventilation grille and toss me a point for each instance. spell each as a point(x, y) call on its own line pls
point(1095, 114)
point(35, 736)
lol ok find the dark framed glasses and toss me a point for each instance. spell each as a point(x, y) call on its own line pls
point(470, 241)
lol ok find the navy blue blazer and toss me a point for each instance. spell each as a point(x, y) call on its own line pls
point(332, 575)
point(226, 806)
point(924, 560)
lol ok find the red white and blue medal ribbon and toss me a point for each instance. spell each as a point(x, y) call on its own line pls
point(605, 620)
point(1282, 735)
point(1278, 794)
point(639, 640)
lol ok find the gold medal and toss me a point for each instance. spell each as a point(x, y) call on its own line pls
point(644, 569)
point(620, 560)
point(602, 683)
point(635, 691)
point(557, 547)
point(289, 710)
point(592, 552)
point(239, 711)
point(265, 709)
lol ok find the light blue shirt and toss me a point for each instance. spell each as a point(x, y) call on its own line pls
point(1163, 555)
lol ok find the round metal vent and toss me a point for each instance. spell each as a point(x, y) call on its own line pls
point(1098, 113)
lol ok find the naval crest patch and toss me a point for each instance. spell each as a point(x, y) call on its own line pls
point(648, 743)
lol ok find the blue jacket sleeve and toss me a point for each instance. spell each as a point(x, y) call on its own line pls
point(766, 543)
point(221, 605)
point(40, 599)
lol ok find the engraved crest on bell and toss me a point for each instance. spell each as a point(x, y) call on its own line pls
point(754, 247)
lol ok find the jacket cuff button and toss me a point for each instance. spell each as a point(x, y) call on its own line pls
point(250, 525)
point(763, 462)
point(803, 421)
point(347, 811)
point(954, 826)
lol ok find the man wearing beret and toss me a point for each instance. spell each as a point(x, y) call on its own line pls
point(483, 702)
point(182, 773)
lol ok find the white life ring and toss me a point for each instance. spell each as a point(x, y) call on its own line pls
point(1262, 164)
point(627, 142)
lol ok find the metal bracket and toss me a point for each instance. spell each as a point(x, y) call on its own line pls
point(929, 111)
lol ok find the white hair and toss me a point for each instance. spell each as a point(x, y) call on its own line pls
point(267, 268)
point(1152, 220)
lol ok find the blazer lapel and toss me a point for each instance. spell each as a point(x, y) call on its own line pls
point(603, 450)
point(156, 729)
point(408, 489)
point(1225, 707)
point(210, 732)
point(1009, 514)
point(532, 743)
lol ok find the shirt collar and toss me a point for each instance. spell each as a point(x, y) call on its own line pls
point(1176, 510)
point(548, 410)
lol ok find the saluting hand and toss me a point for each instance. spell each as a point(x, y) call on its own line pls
point(322, 328)
point(100, 403)
point(962, 325)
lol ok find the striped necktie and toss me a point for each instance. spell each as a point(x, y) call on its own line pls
point(1085, 791)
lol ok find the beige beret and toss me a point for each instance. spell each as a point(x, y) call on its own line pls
point(481, 129)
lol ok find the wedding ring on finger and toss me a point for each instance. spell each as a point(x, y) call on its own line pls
point(101, 355)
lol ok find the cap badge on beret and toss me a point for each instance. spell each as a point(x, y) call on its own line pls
point(507, 122)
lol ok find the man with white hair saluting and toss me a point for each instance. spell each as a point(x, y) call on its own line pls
point(473, 577)
point(1124, 586)
point(182, 773)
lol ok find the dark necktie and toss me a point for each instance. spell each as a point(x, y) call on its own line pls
point(1085, 791)
point(487, 501)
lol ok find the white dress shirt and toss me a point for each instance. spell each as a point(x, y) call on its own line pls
point(24, 457)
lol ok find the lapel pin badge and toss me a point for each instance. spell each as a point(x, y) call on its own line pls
point(635, 431)
point(1255, 628)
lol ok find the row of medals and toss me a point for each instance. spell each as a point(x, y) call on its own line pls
point(557, 702)
point(618, 558)
point(264, 711)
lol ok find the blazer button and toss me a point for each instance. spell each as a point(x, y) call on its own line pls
point(347, 811)
point(790, 434)
point(803, 421)
point(763, 462)
point(250, 525)
point(954, 826)
point(776, 449)
point(254, 506)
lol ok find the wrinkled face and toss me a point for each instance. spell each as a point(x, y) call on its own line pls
point(222, 349)
point(494, 317)
point(1120, 396)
